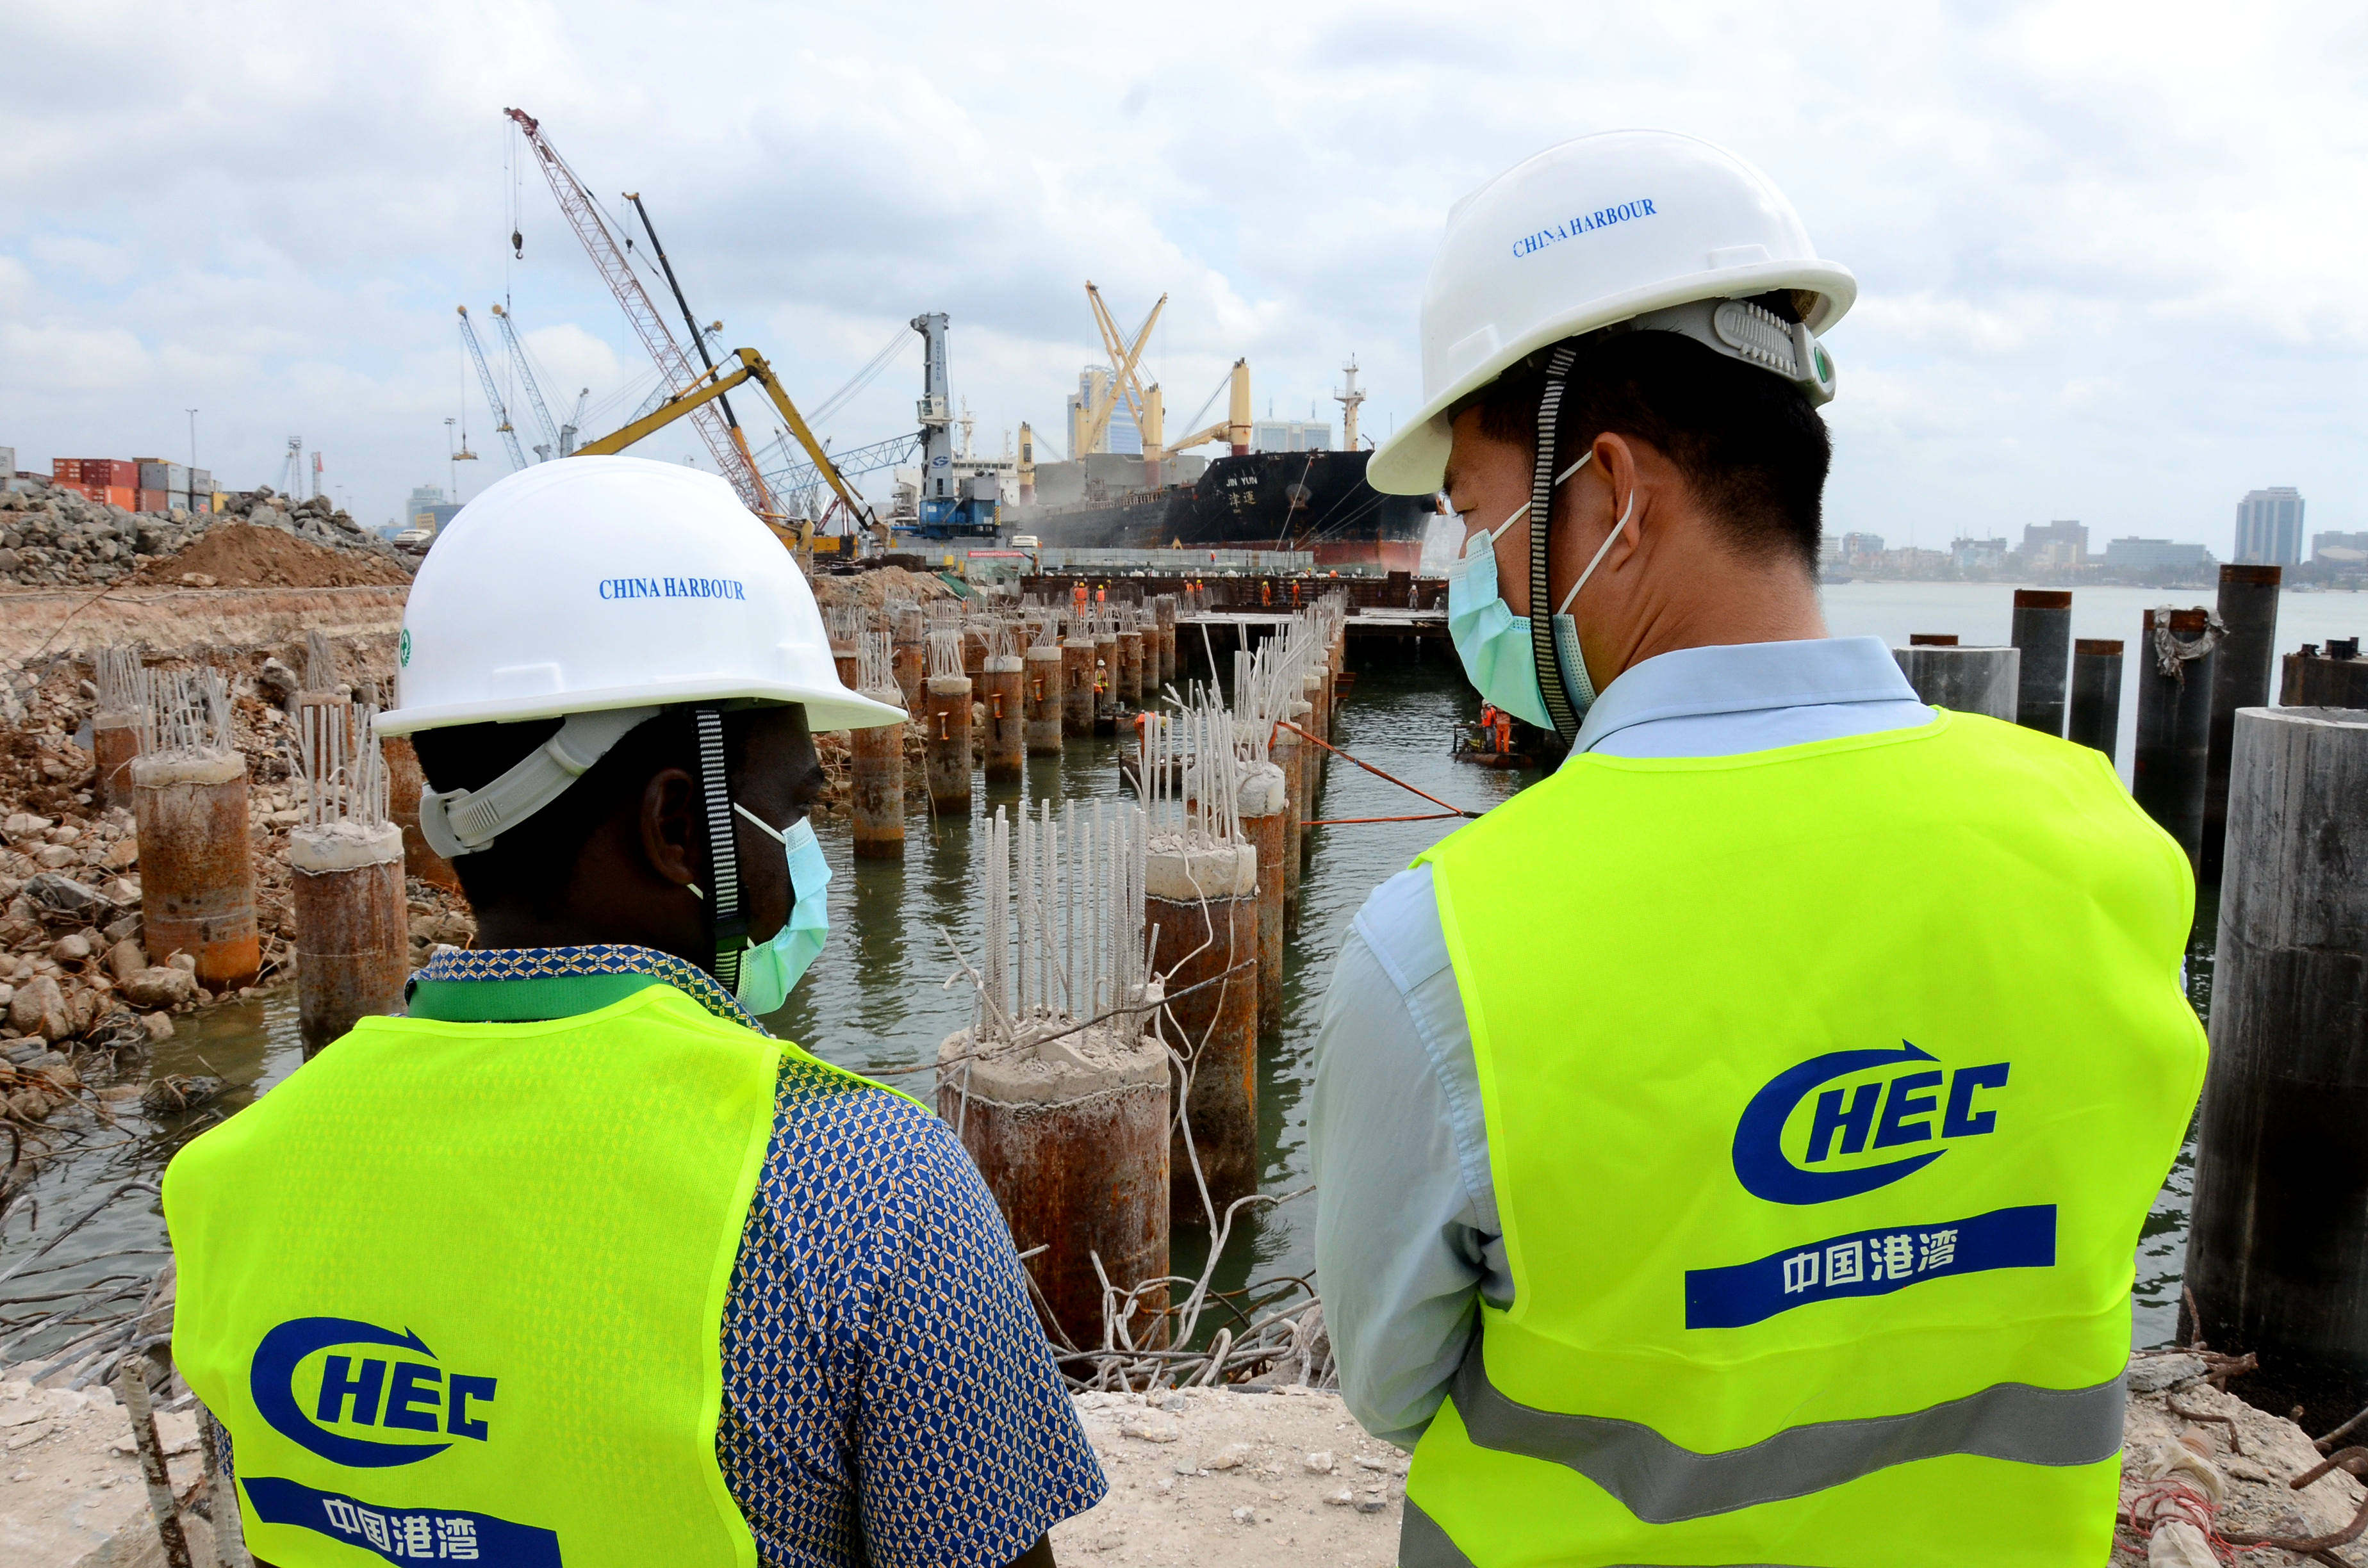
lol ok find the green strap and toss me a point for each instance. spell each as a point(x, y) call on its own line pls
point(526, 1000)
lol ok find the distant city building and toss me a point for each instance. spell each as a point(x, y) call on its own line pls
point(2269, 527)
point(2058, 546)
point(2155, 555)
point(2338, 550)
point(1862, 547)
point(1291, 435)
point(1979, 554)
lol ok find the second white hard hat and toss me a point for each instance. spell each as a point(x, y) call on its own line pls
point(594, 583)
point(1586, 234)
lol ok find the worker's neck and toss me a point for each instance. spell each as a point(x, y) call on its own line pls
point(1718, 600)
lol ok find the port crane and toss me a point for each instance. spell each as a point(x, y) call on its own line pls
point(1144, 402)
point(557, 440)
point(493, 392)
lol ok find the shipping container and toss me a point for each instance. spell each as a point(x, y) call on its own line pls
point(111, 471)
point(66, 470)
point(155, 500)
point(201, 483)
point(123, 496)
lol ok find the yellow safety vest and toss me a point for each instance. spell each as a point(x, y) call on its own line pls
point(1826, 1091)
point(456, 1289)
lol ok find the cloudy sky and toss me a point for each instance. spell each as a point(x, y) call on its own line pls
point(2110, 256)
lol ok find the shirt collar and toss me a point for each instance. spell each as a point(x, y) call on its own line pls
point(500, 964)
point(1744, 678)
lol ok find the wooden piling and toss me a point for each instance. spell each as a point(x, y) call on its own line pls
point(2096, 709)
point(1965, 680)
point(2241, 668)
point(1001, 690)
point(2043, 630)
point(2277, 1256)
point(1202, 904)
point(1071, 1134)
point(353, 938)
point(2175, 661)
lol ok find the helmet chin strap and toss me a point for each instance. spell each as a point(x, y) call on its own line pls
point(1551, 685)
point(727, 920)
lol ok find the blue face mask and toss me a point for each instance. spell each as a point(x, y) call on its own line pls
point(767, 970)
point(1494, 642)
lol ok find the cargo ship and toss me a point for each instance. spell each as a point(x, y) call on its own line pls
point(1313, 501)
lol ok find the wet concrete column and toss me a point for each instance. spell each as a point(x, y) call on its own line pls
point(114, 742)
point(1077, 684)
point(2174, 725)
point(2278, 1255)
point(2096, 712)
point(1072, 1136)
point(1264, 802)
point(353, 941)
point(2042, 630)
point(909, 659)
point(876, 766)
point(1164, 622)
point(1203, 906)
point(974, 647)
point(842, 654)
point(2240, 678)
point(1290, 753)
point(1042, 706)
point(1964, 680)
point(1315, 692)
point(945, 742)
point(197, 868)
point(1000, 689)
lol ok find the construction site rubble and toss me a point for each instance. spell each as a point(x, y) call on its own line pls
point(51, 535)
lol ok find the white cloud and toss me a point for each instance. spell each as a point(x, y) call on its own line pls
point(2108, 252)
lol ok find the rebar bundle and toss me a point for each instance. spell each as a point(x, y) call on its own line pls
point(1065, 939)
point(321, 672)
point(845, 623)
point(1002, 640)
point(342, 764)
point(1186, 763)
point(945, 651)
point(875, 662)
point(187, 713)
point(121, 680)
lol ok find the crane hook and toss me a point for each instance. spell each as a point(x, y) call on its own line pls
point(518, 245)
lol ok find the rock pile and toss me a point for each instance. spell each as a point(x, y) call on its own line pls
point(51, 535)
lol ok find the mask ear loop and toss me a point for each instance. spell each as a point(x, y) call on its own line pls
point(1492, 535)
point(1605, 549)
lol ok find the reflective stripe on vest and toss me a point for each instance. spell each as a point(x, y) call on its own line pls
point(456, 1289)
point(1422, 1544)
point(1659, 1481)
point(1826, 1091)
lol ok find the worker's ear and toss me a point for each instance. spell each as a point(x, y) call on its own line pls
point(669, 828)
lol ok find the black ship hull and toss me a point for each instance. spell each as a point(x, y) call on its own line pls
point(1316, 502)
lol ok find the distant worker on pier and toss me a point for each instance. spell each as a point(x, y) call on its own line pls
point(1733, 1148)
point(575, 1263)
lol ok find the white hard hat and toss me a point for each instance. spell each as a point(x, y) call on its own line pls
point(599, 583)
point(1603, 230)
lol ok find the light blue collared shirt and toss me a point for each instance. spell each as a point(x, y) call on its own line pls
point(1406, 1233)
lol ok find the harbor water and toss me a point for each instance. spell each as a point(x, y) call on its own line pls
point(888, 988)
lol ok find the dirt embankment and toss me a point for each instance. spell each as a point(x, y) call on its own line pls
point(241, 555)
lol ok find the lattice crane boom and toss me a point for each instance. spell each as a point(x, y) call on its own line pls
point(493, 392)
point(551, 447)
point(576, 206)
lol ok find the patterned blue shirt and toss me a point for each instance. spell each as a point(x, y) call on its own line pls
point(888, 1396)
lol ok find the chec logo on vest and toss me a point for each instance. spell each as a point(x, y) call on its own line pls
point(1865, 1103)
point(400, 1390)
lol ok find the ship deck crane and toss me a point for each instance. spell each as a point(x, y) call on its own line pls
point(551, 442)
point(1124, 382)
point(492, 390)
point(576, 204)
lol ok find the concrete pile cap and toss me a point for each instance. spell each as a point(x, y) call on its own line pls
point(343, 846)
point(1009, 664)
point(1186, 873)
point(949, 686)
point(156, 770)
point(1051, 653)
point(1262, 790)
point(1038, 1070)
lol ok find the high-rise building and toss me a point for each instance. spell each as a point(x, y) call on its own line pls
point(2269, 527)
point(1861, 546)
point(2155, 555)
point(1120, 435)
point(2060, 545)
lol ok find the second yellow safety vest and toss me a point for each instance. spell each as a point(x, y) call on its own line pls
point(456, 1289)
point(1827, 1090)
